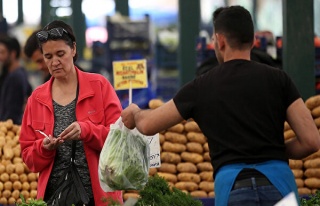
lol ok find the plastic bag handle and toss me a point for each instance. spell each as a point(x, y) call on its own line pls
point(119, 121)
point(120, 124)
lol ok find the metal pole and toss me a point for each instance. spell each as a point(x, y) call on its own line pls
point(20, 12)
point(189, 24)
point(122, 6)
point(79, 26)
point(298, 44)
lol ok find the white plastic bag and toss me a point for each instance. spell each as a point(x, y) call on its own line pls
point(124, 160)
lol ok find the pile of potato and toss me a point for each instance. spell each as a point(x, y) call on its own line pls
point(307, 170)
point(296, 165)
point(15, 178)
point(311, 164)
point(311, 173)
point(185, 161)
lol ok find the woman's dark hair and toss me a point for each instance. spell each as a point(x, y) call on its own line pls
point(236, 24)
point(67, 35)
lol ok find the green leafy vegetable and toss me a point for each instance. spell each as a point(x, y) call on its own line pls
point(312, 200)
point(125, 161)
point(158, 193)
point(31, 202)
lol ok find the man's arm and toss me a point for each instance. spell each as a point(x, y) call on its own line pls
point(151, 121)
point(307, 139)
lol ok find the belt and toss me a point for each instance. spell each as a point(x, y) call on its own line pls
point(248, 183)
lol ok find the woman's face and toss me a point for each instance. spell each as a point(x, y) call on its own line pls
point(58, 56)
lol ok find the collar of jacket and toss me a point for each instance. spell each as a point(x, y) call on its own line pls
point(85, 89)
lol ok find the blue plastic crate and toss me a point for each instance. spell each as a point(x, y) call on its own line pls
point(165, 57)
point(207, 201)
point(203, 52)
point(167, 87)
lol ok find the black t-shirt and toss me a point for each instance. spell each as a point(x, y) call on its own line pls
point(240, 106)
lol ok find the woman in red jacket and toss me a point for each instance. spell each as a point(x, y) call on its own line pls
point(73, 106)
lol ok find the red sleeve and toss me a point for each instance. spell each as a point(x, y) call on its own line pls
point(33, 154)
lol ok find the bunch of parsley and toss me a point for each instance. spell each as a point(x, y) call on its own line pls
point(158, 193)
point(312, 200)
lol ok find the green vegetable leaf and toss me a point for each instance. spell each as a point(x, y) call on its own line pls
point(125, 160)
point(31, 202)
point(158, 193)
point(311, 200)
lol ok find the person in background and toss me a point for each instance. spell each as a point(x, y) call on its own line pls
point(241, 107)
point(72, 106)
point(98, 62)
point(32, 51)
point(14, 84)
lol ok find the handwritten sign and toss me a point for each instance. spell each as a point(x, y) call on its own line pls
point(130, 74)
point(154, 145)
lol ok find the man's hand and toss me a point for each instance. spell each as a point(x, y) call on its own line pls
point(127, 116)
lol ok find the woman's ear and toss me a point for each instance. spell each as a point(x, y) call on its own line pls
point(74, 49)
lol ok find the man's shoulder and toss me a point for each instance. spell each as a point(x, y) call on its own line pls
point(19, 75)
point(20, 71)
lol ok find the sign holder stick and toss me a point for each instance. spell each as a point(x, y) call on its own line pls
point(130, 93)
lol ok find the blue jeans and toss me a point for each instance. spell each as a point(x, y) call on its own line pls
point(255, 196)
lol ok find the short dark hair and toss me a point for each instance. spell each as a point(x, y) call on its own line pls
point(235, 22)
point(31, 44)
point(68, 37)
point(12, 44)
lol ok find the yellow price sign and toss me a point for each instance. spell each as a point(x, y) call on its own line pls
point(130, 74)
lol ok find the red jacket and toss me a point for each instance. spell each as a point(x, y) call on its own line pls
point(97, 107)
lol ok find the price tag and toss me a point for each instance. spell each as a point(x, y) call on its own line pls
point(154, 144)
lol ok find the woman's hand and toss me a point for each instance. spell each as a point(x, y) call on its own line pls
point(51, 143)
point(72, 132)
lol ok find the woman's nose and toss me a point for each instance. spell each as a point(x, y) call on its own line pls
point(55, 61)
